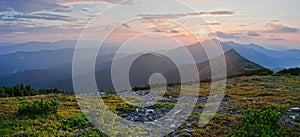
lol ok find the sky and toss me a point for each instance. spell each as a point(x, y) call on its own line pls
point(275, 24)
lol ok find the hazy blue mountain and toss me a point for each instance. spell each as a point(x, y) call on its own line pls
point(267, 58)
point(45, 59)
point(22, 61)
point(53, 68)
point(271, 59)
point(141, 70)
point(235, 65)
point(38, 46)
point(5, 44)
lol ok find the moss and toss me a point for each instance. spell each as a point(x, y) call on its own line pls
point(162, 105)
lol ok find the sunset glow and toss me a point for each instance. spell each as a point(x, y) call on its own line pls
point(272, 24)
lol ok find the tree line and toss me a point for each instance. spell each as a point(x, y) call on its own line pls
point(25, 90)
point(290, 71)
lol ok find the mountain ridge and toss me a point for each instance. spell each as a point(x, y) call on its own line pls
point(62, 79)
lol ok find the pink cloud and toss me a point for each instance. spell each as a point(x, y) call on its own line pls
point(279, 28)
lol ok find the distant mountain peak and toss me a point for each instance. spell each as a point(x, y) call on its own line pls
point(233, 56)
point(232, 51)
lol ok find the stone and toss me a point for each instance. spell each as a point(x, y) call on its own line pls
point(149, 111)
point(226, 98)
point(273, 79)
point(254, 79)
point(228, 87)
point(295, 110)
point(221, 111)
point(102, 93)
point(189, 130)
point(293, 116)
point(244, 85)
point(189, 125)
point(173, 126)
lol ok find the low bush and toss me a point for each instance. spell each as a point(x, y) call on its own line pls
point(36, 108)
point(25, 90)
point(257, 123)
point(75, 121)
point(166, 105)
point(259, 72)
point(291, 71)
point(141, 88)
point(126, 108)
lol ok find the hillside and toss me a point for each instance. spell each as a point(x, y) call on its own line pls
point(242, 93)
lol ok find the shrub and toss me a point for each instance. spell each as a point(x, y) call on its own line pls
point(141, 88)
point(257, 123)
point(25, 90)
point(277, 74)
point(291, 71)
point(166, 105)
point(36, 108)
point(126, 108)
point(77, 120)
point(260, 72)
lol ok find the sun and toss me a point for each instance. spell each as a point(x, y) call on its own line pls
point(202, 32)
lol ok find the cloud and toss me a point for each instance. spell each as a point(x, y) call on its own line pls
point(30, 6)
point(274, 20)
point(126, 26)
point(158, 30)
point(212, 24)
point(227, 35)
point(95, 1)
point(279, 28)
point(253, 34)
point(171, 16)
point(59, 9)
point(33, 27)
point(174, 31)
point(276, 39)
point(40, 16)
point(85, 9)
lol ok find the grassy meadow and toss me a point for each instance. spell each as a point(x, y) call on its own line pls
point(58, 114)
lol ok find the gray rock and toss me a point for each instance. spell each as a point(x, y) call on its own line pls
point(143, 93)
point(221, 111)
point(244, 85)
point(189, 125)
point(189, 130)
point(273, 79)
point(295, 110)
point(228, 87)
point(226, 98)
point(254, 79)
point(173, 126)
point(293, 116)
